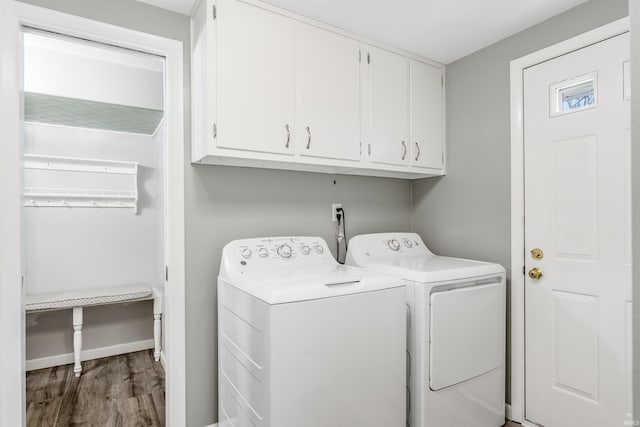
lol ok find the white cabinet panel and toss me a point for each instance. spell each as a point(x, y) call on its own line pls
point(426, 115)
point(255, 66)
point(262, 75)
point(327, 94)
point(389, 86)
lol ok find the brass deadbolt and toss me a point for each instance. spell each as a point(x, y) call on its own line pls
point(536, 253)
point(535, 273)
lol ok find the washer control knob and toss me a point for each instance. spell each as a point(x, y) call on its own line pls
point(246, 253)
point(284, 251)
point(408, 243)
point(394, 245)
point(305, 250)
point(318, 248)
point(263, 252)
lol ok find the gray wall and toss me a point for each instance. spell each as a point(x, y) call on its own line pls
point(223, 204)
point(467, 212)
point(634, 13)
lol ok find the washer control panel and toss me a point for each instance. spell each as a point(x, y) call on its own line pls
point(400, 243)
point(266, 251)
point(284, 251)
point(394, 245)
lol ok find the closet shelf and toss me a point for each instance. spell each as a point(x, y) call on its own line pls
point(76, 164)
point(113, 184)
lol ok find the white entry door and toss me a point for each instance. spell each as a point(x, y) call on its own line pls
point(578, 225)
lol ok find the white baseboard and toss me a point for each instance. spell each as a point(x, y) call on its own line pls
point(89, 354)
point(212, 425)
point(507, 411)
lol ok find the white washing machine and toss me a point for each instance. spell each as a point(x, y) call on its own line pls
point(306, 342)
point(456, 333)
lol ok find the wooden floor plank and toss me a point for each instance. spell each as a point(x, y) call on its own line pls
point(44, 413)
point(118, 391)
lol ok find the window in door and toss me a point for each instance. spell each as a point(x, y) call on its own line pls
point(574, 95)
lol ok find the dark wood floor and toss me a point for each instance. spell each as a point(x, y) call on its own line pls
point(118, 391)
point(125, 390)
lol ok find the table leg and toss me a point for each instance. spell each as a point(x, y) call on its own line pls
point(77, 339)
point(157, 327)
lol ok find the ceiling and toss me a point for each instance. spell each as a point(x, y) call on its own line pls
point(181, 6)
point(441, 30)
point(43, 40)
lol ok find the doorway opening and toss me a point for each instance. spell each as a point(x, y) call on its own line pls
point(94, 240)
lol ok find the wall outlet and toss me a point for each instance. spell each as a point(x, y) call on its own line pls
point(334, 207)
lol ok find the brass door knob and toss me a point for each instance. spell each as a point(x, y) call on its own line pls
point(535, 273)
point(536, 253)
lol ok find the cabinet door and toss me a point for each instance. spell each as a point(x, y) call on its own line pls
point(255, 84)
point(389, 83)
point(426, 115)
point(327, 94)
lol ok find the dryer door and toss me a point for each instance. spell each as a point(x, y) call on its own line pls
point(467, 333)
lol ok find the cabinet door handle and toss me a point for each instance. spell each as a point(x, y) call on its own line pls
point(309, 137)
point(286, 127)
point(404, 150)
point(418, 151)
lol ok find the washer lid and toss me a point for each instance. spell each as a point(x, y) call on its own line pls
point(288, 269)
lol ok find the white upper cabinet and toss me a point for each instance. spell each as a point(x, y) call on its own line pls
point(256, 72)
point(426, 93)
point(389, 104)
point(327, 94)
point(273, 89)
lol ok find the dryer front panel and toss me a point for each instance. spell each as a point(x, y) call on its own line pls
point(466, 332)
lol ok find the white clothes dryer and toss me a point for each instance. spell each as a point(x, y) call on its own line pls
point(306, 342)
point(456, 333)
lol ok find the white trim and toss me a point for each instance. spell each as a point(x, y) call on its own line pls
point(517, 196)
point(12, 390)
point(89, 354)
point(163, 361)
point(507, 411)
point(172, 50)
point(212, 425)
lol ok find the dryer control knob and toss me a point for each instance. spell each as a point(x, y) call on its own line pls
point(263, 252)
point(246, 253)
point(394, 245)
point(408, 243)
point(305, 250)
point(318, 248)
point(284, 251)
